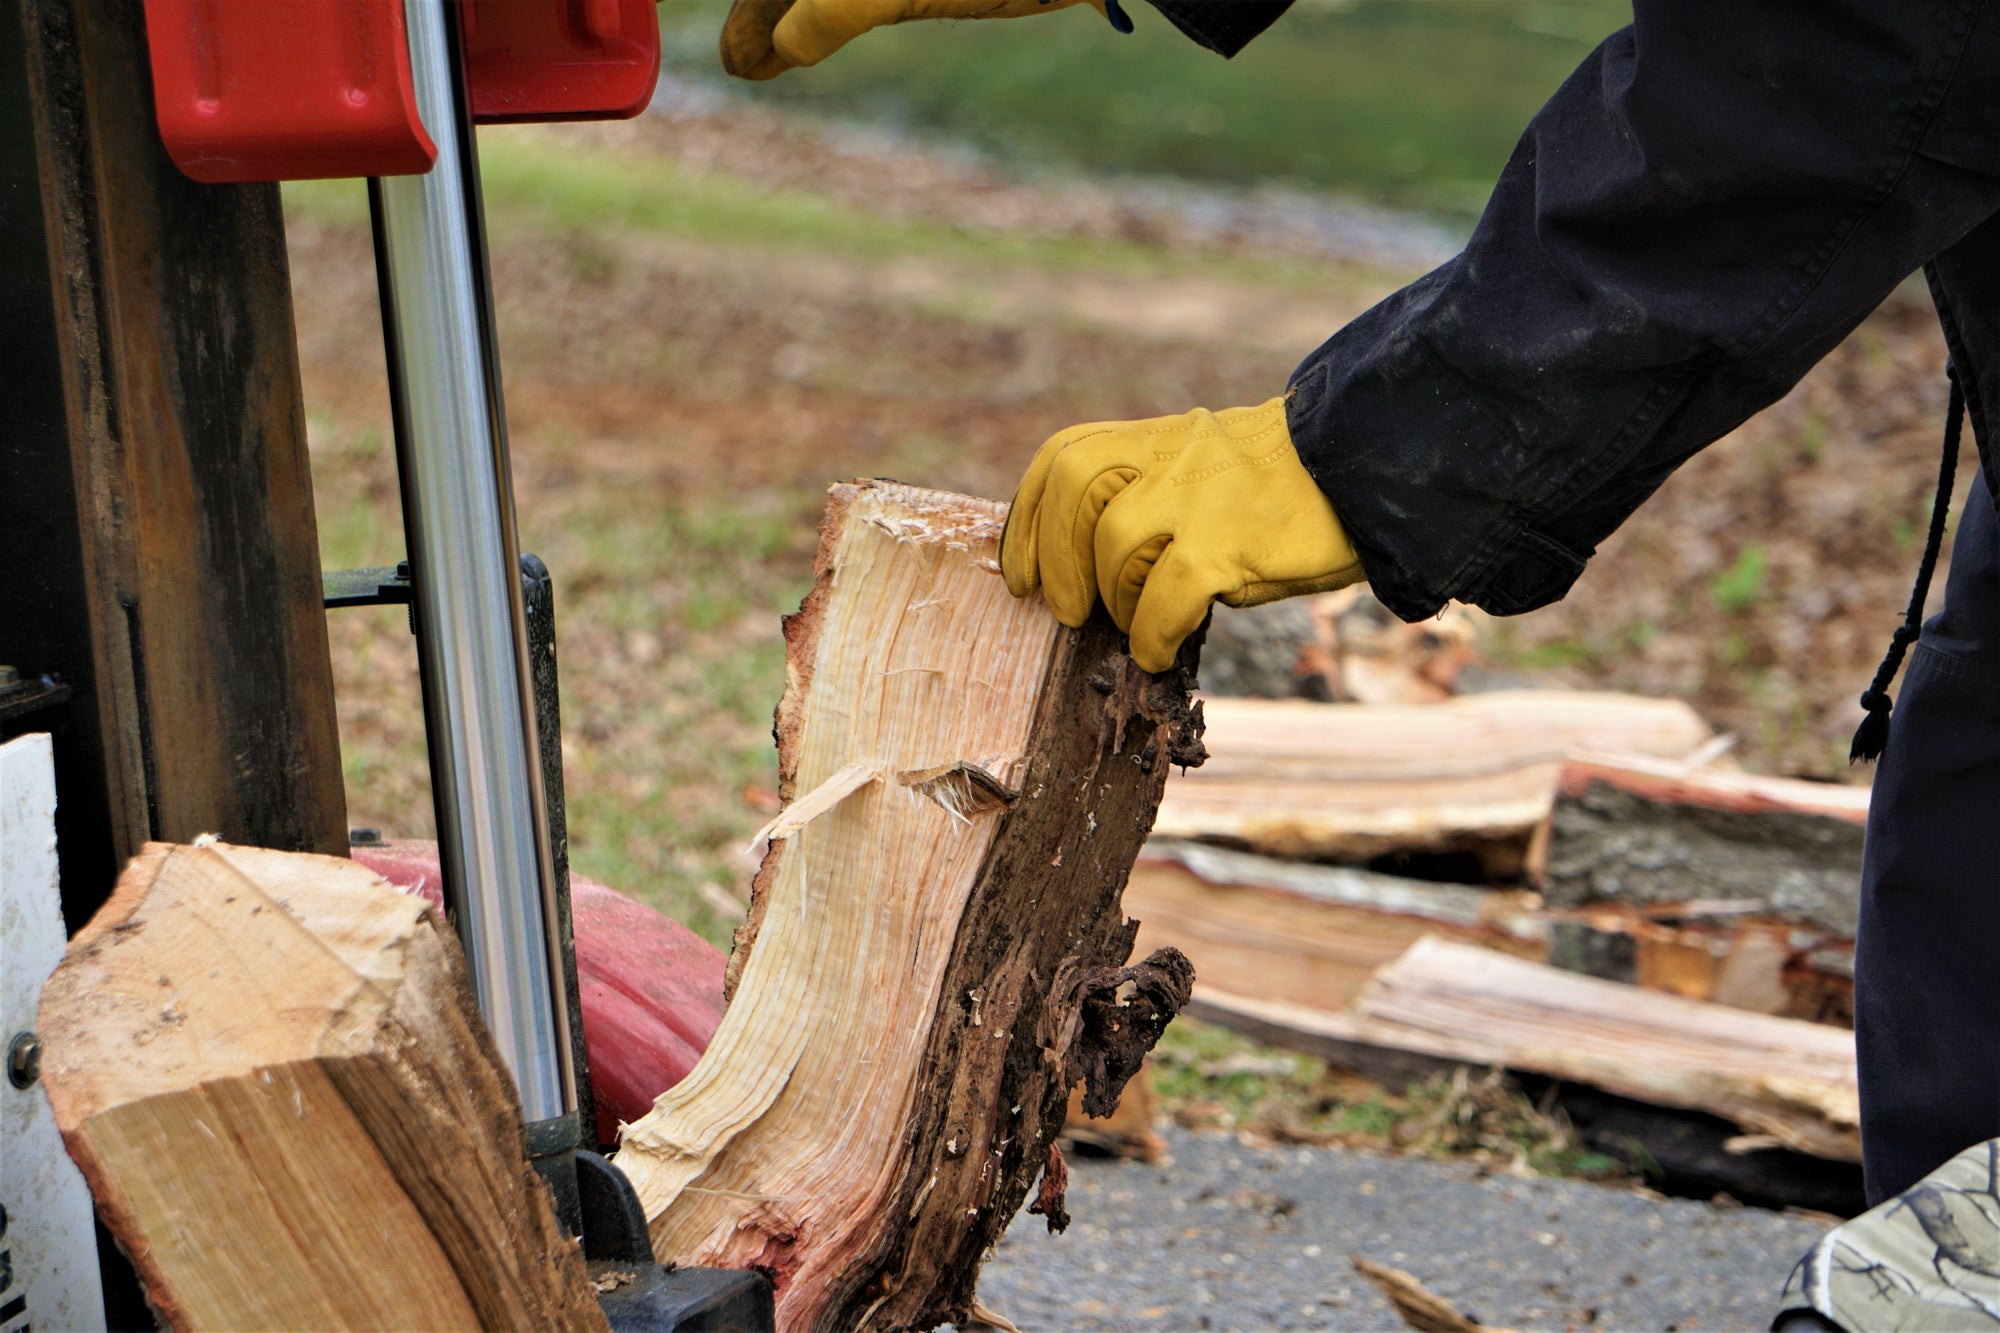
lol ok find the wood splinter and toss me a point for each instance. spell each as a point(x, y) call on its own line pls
point(935, 953)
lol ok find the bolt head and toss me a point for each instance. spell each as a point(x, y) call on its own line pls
point(24, 1060)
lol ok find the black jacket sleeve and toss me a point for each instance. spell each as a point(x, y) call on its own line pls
point(1223, 26)
point(1709, 204)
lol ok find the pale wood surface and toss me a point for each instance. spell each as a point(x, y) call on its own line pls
point(270, 1067)
point(1712, 787)
point(1790, 1079)
point(1475, 774)
point(967, 785)
point(1460, 737)
point(1309, 934)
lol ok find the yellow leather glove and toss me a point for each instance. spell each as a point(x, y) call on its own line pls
point(1160, 517)
point(761, 39)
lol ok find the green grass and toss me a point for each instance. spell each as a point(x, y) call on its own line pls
point(536, 188)
point(1414, 102)
point(669, 679)
point(1208, 1077)
point(1744, 584)
point(667, 608)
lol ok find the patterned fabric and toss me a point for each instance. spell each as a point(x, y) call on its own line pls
point(1927, 1259)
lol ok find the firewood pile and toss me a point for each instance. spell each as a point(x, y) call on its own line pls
point(1574, 886)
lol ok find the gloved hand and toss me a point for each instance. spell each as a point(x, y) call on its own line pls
point(761, 39)
point(1160, 517)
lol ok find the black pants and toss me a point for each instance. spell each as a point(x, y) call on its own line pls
point(1927, 967)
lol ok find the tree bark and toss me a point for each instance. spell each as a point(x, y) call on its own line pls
point(1630, 833)
point(1712, 884)
point(935, 952)
point(271, 1069)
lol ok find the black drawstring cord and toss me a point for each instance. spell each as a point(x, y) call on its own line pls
point(1873, 733)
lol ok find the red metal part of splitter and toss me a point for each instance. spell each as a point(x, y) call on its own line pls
point(539, 60)
point(258, 90)
point(251, 90)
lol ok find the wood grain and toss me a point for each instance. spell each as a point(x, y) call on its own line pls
point(1474, 775)
point(1792, 1080)
point(1307, 934)
point(271, 1069)
point(935, 958)
point(201, 646)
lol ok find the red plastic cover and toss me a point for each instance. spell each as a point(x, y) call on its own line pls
point(251, 90)
point(560, 59)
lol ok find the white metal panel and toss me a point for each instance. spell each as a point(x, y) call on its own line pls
point(48, 1247)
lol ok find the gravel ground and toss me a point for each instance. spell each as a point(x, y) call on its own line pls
point(1228, 1237)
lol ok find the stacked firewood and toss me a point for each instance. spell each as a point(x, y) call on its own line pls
point(1574, 886)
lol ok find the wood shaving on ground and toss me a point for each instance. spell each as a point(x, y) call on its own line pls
point(984, 1319)
point(1419, 1308)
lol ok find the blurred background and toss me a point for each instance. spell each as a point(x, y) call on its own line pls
point(925, 258)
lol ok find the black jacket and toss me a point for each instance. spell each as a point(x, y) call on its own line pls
point(1702, 211)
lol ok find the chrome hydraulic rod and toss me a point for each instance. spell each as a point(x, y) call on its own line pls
point(458, 518)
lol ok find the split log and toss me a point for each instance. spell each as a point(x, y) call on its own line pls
point(652, 998)
point(1472, 776)
point(1707, 883)
point(1362, 653)
point(934, 955)
point(271, 1069)
point(1448, 1002)
point(1416, 1305)
point(1719, 950)
point(1342, 646)
point(1308, 934)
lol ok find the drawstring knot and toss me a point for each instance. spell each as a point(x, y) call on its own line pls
point(1872, 735)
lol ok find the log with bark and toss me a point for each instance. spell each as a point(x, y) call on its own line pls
point(1711, 884)
point(271, 1069)
point(935, 953)
point(1648, 834)
point(1473, 777)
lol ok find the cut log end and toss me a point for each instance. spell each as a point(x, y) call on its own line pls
point(271, 1070)
point(935, 955)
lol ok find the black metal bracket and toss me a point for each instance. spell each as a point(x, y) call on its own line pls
point(21, 695)
point(389, 585)
point(382, 585)
point(638, 1295)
